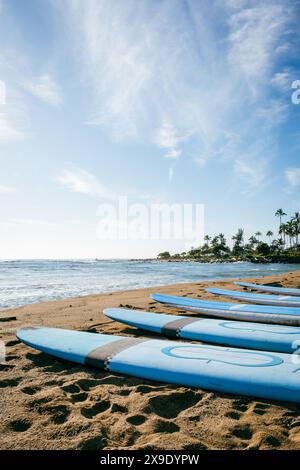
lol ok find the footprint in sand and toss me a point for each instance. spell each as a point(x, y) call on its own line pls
point(165, 426)
point(79, 397)
point(31, 390)
point(233, 415)
point(117, 408)
point(136, 420)
point(10, 382)
point(260, 408)
point(37, 404)
point(243, 432)
point(39, 360)
point(11, 358)
point(92, 443)
point(240, 405)
point(4, 367)
point(262, 440)
point(13, 342)
point(71, 388)
point(124, 392)
point(170, 405)
point(20, 425)
point(97, 408)
point(58, 413)
point(87, 384)
point(143, 389)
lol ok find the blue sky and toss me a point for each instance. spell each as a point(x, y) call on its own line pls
point(176, 101)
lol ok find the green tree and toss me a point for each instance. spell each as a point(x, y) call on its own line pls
point(262, 249)
point(258, 234)
point(290, 232)
point(282, 234)
point(269, 234)
point(238, 239)
point(164, 255)
point(219, 246)
point(207, 239)
point(296, 223)
point(253, 241)
point(279, 213)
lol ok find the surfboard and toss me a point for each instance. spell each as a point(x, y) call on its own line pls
point(234, 311)
point(230, 333)
point(273, 289)
point(262, 299)
point(239, 371)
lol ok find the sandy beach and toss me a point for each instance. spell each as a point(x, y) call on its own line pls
point(51, 404)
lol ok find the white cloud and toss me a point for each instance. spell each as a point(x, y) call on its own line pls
point(78, 180)
point(282, 80)
point(10, 128)
point(7, 189)
point(273, 113)
point(251, 171)
point(200, 161)
point(181, 75)
point(255, 33)
point(45, 88)
point(293, 176)
point(168, 140)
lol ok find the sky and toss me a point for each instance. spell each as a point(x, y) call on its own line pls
point(160, 101)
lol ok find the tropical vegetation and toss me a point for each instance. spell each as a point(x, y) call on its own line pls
point(284, 247)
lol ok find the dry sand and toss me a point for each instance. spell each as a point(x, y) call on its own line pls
point(50, 404)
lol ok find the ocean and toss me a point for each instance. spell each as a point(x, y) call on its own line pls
point(29, 281)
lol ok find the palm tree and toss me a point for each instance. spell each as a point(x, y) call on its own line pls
point(290, 231)
point(279, 213)
point(258, 234)
point(238, 239)
point(253, 241)
point(282, 231)
point(296, 222)
point(222, 239)
point(269, 234)
point(207, 238)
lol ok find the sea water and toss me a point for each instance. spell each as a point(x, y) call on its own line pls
point(28, 281)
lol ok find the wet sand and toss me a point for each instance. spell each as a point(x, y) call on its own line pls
point(51, 404)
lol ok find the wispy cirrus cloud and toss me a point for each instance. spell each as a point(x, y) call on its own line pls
point(81, 181)
point(10, 128)
point(168, 140)
point(255, 31)
point(4, 189)
point(182, 74)
point(292, 175)
point(283, 80)
point(21, 79)
point(252, 172)
point(45, 88)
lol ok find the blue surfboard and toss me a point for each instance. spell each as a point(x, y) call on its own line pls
point(234, 311)
point(239, 371)
point(262, 299)
point(272, 289)
point(230, 333)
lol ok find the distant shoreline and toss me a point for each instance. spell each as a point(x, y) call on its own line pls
point(261, 260)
